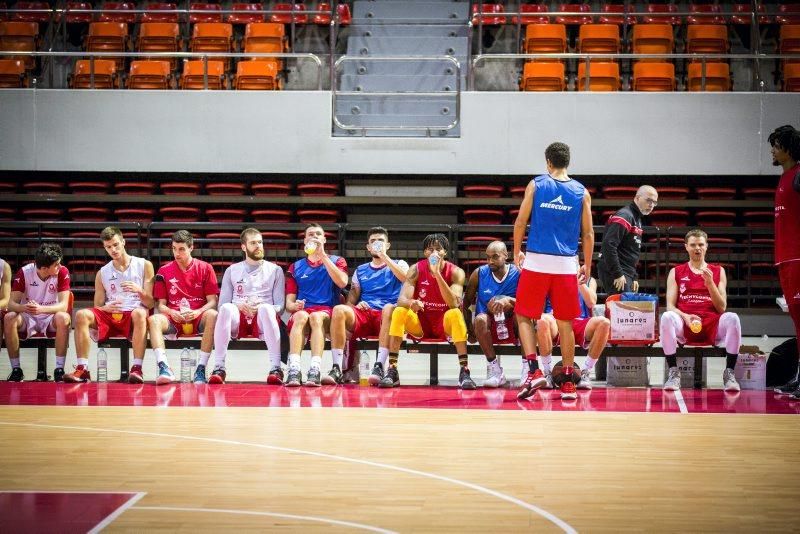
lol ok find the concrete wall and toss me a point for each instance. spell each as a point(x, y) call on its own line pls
point(289, 132)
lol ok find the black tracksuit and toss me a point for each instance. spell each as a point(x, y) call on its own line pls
point(619, 253)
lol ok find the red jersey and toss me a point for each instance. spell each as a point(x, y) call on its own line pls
point(787, 218)
point(693, 295)
point(427, 289)
point(193, 284)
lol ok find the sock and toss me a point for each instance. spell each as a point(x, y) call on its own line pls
point(383, 355)
point(588, 365)
point(60, 361)
point(83, 361)
point(14, 362)
point(161, 355)
point(316, 361)
point(338, 356)
point(463, 360)
point(138, 361)
point(219, 359)
point(294, 361)
point(204, 356)
point(393, 359)
point(730, 360)
point(672, 361)
point(274, 360)
point(533, 365)
point(491, 359)
point(544, 361)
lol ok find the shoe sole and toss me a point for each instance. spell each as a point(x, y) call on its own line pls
point(311, 384)
point(584, 387)
point(670, 388)
point(374, 380)
point(199, 382)
point(328, 381)
point(274, 381)
point(68, 380)
point(734, 390)
point(215, 380)
point(134, 379)
point(469, 386)
point(164, 380)
point(292, 384)
point(569, 396)
point(388, 386)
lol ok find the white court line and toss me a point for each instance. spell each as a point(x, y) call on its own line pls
point(267, 514)
point(563, 525)
point(118, 512)
point(681, 403)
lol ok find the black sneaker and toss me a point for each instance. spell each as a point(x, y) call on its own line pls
point(217, 377)
point(58, 374)
point(464, 380)
point(392, 378)
point(294, 377)
point(376, 375)
point(789, 387)
point(200, 374)
point(313, 377)
point(16, 375)
point(334, 377)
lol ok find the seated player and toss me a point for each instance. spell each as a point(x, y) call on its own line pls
point(373, 292)
point(591, 333)
point(696, 303)
point(313, 286)
point(430, 306)
point(5, 291)
point(250, 303)
point(186, 291)
point(493, 290)
point(38, 307)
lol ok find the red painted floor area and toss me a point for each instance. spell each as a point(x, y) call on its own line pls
point(261, 395)
point(43, 512)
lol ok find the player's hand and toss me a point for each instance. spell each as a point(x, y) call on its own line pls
point(619, 283)
point(177, 316)
point(689, 318)
point(583, 275)
point(362, 305)
point(495, 305)
point(131, 287)
point(112, 307)
point(520, 259)
point(189, 316)
point(417, 305)
point(32, 307)
point(708, 276)
point(635, 286)
point(299, 304)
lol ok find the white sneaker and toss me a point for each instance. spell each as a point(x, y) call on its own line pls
point(729, 381)
point(524, 373)
point(673, 382)
point(495, 377)
point(549, 384)
point(585, 381)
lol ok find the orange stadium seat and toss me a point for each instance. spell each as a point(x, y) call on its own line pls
point(758, 193)
point(134, 188)
point(226, 188)
point(271, 216)
point(114, 12)
point(704, 14)
point(788, 13)
point(318, 190)
point(245, 13)
point(483, 216)
point(42, 214)
point(205, 13)
point(276, 240)
point(652, 39)
point(574, 19)
point(105, 74)
point(179, 214)
point(318, 216)
point(660, 14)
point(612, 17)
point(665, 218)
point(527, 14)
point(759, 219)
point(180, 188)
point(140, 215)
point(483, 191)
point(13, 73)
point(284, 15)
point(193, 76)
point(271, 190)
point(488, 16)
point(212, 37)
point(673, 193)
point(149, 75)
point(603, 76)
point(108, 37)
point(153, 12)
point(599, 39)
point(342, 10)
point(78, 18)
point(653, 76)
point(707, 39)
point(159, 37)
point(545, 39)
point(790, 40)
point(257, 75)
point(791, 78)
point(31, 12)
point(226, 214)
point(716, 193)
point(21, 37)
point(619, 192)
point(742, 14)
point(715, 218)
point(88, 213)
point(718, 77)
point(543, 77)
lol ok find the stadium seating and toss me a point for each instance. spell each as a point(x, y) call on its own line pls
point(179, 214)
point(114, 12)
point(612, 17)
point(77, 18)
point(318, 190)
point(715, 218)
point(716, 193)
point(225, 215)
point(543, 77)
point(150, 75)
point(483, 191)
point(257, 75)
point(318, 216)
point(707, 39)
point(284, 13)
point(180, 188)
point(32, 12)
point(159, 37)
point(528, 16)
point(788, 14)
point(212, 37)
point(197, 76)
point(245, 15)
point(271, 189)
point(13, 73)
point(108, 37)
point(652, 39)
point(134, 188)
point(603, 76)
point(204, 13)
point(574, 19)
point(105, 74)
point(653, 76)
point(661, 14)
point(704, 14)
point(545, 39)
point(742, 14)
point(342, 10)
point(22, 37)
point(139, 215)
point(791, 78)
point(599, 39)
point(489, 15)
point(672, 192)
point(226, 188)
point(153, 12)
point(89, 213)
point(271, 216)
point(717, 77)
point(483, 216)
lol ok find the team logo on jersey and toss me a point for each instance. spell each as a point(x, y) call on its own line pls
point(173, 290)
point(797, 296)
point(113, 276)
point(683, 288)
point(425, 283)
point(556, 204)
point(173, 281)
point(305, 275)
point(685, 279)
point(34, 284)
point(423, 293)
point(240, 289)
point(51, 288)
point(488, 291)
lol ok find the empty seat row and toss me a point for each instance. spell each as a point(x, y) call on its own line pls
point(179, 214)
point(97, 187)
point(625, 192)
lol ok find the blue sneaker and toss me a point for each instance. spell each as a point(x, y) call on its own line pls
point(165, 375)
point(200, 375)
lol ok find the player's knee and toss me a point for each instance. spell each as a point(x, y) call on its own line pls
point(139, 316)
point(481, 324)
point(228, 309)
point(10, 319)
point(210, 315)
point(339, 312)
point(317, 320)
point(83, 318)
point(300, 319)
point(61, 319)
point(387, 310)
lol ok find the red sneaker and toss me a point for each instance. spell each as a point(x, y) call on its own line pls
point(533, 381)
point(135, 375)
point(81, 374)
point(217, 377)
point(568, 391)
point(275, 377)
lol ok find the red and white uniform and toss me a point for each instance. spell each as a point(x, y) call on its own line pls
point(787, 244)
point(431, 316)
point(265, 285)
point(118, 324)
point(43, 292)
point(191, 286)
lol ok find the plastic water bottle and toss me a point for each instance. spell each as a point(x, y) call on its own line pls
point(434, 258)
point(102, 365)
point(363, 369)
point(186, 371)
point(184, 305)
point(500, 325)
point(192, 359)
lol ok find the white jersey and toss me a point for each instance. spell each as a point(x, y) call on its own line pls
point(112, 282)
point(265, 284)
point(43, 292)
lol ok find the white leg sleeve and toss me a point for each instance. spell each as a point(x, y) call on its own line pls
point(671, 332)
point(729, 333)
point(270, 333)
point(227, 325)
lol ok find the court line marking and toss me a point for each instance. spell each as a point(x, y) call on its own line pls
point(361, 526)
point(118, 512)
point(563, 525)
point(681, 402)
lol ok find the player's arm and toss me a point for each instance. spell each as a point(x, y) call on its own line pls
point(717, 292)
point(14, 302)
point(226, 289)
point(5, 287)
point(469, 298)
point(146, 293)
point(354, 295)
point(279, 292)
point(454, 293)
point(406, 298)
point(672, 297)
point(337, 271)
point(62, 305)
point(589, 293)
point(162, 308)
point(587, 236)
point(399, 268)
point(521, 224)
point(99, 292)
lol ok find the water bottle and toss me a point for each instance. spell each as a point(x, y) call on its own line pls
point(500, 325)
point(363, 369)
point(184, 305)
point(186, 371)
point(377, 247)
point(102, 365)
point(192, 359)
point(433, 258)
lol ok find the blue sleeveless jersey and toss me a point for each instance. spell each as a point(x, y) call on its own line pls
point(488, 287)
point(555, 217)
point(585, 311)
point(378, 286)
point(314, 285)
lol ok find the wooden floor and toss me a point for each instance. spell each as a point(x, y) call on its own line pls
point(412, 470)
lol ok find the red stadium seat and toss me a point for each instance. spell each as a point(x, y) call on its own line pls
point(574, 19)
point(44, 187)
point(89, 213)
point(318, 190)
point(483, 216)
point(271, 190)
point(612, 17)
point(153, 12)
point(77, 18)
point(342, 10)
point(787, 14)
point(42, 214)
point(31, 12)
point(204, 13)
point(318, 216)
point(759, 219)
point(716, 193)
point(224, 240)
point(762, 271)
point(8, 214)
point(299, 13)
point(762, 245)
point(488, 16)
point(246, 14)
point(745, 18)
point(758, 193)
point(527, 15)
point(715, 218)
point(721, 245)
point(219, 266)
point(483, 191)
point(85, 265)
point(517, 191)
point(276, 240)
point(226, 215)
point(271, 216)
point(180, 188)
point(471, 265)
point(179, 214)
point(115, 12)
point(134, 188)
point(619, 192)
point(655, 16)
point(225, 188)
point(673, 193)
point(704, 14)
point(140, 215)
point(479, 242)
point(666, 218)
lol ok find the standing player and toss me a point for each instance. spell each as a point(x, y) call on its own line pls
point(250, 303)
point(493, 289)
point(186, 291)
point(430, 306)
point(38, 306)
point(123, 291)
point(373, 292)
point(5, 291)
point(696, 303)
point(591, 333)
point(785, 142)
point(313, 287)
point(560, 213)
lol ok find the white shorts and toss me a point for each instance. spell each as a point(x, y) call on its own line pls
point(36, 325)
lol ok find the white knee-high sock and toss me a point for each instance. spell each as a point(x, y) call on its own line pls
point(270, 333)
point(227, 316)
point(670, 329)
point(729, 332)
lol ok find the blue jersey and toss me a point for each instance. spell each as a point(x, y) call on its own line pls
point(314, 284)
point(379, 286)
point(555, 217)
point(488, 287)
point(585, 311)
